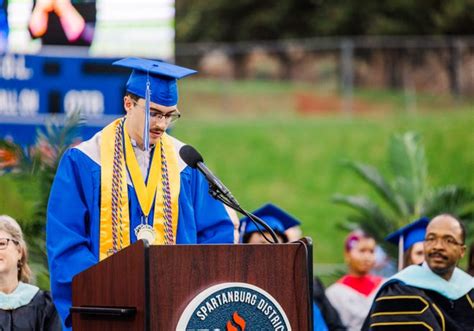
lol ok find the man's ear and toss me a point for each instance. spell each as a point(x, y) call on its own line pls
point(127, 103)
point(463, 251)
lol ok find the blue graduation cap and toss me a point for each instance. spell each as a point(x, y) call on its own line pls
point(411, 233)
point(154, 81)
point(275, 217)
point(161, 76)
point(407, 236)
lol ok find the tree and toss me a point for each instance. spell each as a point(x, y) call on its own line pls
point(245, 20)
point(408, 196)
point(37, 165)
point(230, 21)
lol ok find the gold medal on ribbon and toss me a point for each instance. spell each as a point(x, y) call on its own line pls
point(145, 231)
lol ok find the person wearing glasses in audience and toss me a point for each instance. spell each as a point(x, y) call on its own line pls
point(433, 296)
point(22, 306)
point(128, 183)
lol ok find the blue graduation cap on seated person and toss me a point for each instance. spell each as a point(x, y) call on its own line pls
point(407, 236)
point(155, 81)
point(275, 217)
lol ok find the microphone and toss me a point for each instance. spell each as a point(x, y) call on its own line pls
point(193, 159)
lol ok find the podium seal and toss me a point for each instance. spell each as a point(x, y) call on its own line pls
point(233, 306)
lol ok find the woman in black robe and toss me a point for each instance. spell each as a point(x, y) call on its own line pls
point(22, 306)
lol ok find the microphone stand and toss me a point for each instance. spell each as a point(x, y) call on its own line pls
point(217, 194)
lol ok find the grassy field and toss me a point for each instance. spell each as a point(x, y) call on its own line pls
point(296, 163)
point(255, 139)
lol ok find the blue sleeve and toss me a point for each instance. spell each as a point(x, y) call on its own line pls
point(67, 234)
point(318, 321)
point(213, 223)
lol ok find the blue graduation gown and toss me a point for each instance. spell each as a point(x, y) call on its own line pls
point(73, 217)
point(319, 324)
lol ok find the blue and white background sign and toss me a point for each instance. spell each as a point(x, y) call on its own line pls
point(233, 307)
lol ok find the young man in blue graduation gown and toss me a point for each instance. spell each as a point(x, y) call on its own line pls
point(128, 182)
point(433, 296)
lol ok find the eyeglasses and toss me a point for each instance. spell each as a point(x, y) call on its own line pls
point(170, 117)
point(4, 242)
point(445, 241)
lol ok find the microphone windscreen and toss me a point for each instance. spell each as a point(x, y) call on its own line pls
point(190, 156)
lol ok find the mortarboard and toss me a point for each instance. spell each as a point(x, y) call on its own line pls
point(275, 217)
point(162, 77)
point(154, 81)
point(408, 235)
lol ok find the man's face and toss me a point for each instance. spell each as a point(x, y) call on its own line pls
point(136, 119)
point(361, 258)
point(443, 245)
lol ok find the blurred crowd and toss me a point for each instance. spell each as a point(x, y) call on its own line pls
point(354, 302)
point(429, 252)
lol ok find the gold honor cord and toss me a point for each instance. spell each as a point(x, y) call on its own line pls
point(110, 152)
point(174, 179)
point(145, 193)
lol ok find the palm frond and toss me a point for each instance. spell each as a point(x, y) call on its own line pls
point(375, 179)
point(409, 195)
point(405, 188)
point(362, 204)
point(458, 201)
point(408, 163)
point(368, 209)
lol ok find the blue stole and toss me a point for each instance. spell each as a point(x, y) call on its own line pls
point(422, 277)
point(21, 296)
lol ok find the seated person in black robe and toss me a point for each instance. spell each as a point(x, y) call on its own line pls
point(433, 296)
point(22, 306)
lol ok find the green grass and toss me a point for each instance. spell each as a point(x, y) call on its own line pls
point(252, 136)
point(296, 162)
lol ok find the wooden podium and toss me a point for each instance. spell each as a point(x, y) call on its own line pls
point(147, 287)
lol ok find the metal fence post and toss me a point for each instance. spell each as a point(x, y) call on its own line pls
point(347, 74)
